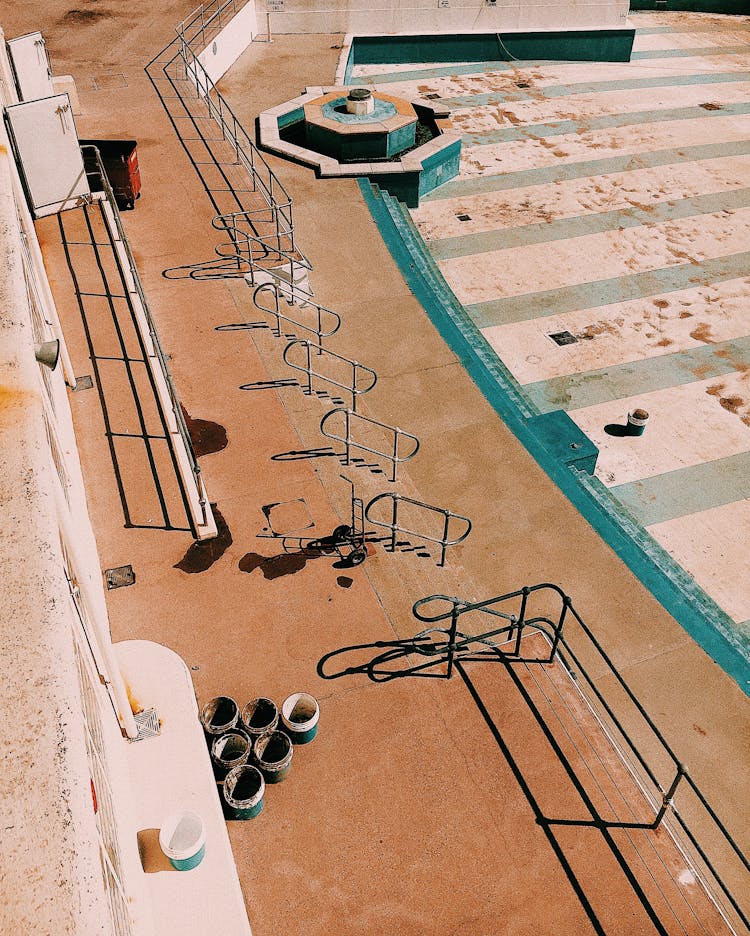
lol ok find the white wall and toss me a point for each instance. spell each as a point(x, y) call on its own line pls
point(382, 17)
point(224, 50)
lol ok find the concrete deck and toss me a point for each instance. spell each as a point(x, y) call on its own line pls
point(404, 814)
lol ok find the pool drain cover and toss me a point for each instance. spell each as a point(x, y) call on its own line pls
point(119, 577)
point(83, 383)
point(563, 338)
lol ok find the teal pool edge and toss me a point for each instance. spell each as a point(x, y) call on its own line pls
point(668, 582)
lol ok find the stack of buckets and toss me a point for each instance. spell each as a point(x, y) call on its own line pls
point(249, 749)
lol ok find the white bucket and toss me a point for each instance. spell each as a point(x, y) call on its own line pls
point(182, 838)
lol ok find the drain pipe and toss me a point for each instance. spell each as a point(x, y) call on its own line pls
point(96, 608)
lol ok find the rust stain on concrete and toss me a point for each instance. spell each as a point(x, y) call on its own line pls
point(274, 567)
point(207, 436)
point(202, 555)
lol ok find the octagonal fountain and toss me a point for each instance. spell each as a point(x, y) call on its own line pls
point(407, 146)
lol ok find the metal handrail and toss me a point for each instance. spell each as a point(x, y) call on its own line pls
point(154, 336)
point(357, 368)
point(288, 291)
point(248, 155)
point(444, 542)
point(393, 457)
point(458, 641)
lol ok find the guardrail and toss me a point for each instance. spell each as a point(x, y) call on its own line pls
point(353, 386)
point(393, 525)
point(133, 282)
point(288, 292)
point(196, 27)
point(677, 801)
point(394, 457)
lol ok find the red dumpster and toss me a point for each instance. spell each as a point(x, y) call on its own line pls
point(120, 158)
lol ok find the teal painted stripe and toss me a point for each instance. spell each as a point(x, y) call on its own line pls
point(592, 87)
point(688, 53)
point(547, 175)
point(674, 588)
point(605, 292)
point(601, 122)
point(577, 391)
point(562, 228)
point(441, 71)
point(687, 490)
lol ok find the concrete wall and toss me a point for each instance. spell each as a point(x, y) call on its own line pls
point(227, 46)
point(394, 16)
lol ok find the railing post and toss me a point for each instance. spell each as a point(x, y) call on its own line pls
point(666, 800)
point(394, 522)
point(277, 313)
point(309, 369)
point(452, 640)
point(347, 420)
point(521, 619)
point(558, 629)
point(443, 544)
point(354, 386)
point(394, 459)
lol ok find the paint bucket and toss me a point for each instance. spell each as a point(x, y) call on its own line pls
point(299, 715)
point(637, 420)
point(273, 754)
point(182, 838)
point(219, 716)
point(259, 716)
point(243, 792)
point(230, 750)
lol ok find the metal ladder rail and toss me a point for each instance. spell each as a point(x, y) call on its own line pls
point(444, 542)
point(356, 368)
point(132, 282)
point(288, 292)
point(459, 607)
point(393, 456)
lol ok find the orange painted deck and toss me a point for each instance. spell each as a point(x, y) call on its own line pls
point(406, 815)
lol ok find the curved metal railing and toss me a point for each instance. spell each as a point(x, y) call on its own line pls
point(288, 292)
point(393, 525)
point(593, 690)
point(353, 386)
point(394, 456)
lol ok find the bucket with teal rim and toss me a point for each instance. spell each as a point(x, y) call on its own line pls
point(218, 716)
point(230, 750)
point(637, 420)
point(273, 755)
point(243, 792)
point(259, 717)
point(300, 713)
point(182, 838)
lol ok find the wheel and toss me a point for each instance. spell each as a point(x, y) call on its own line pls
point(357, 557)
point(341, 533)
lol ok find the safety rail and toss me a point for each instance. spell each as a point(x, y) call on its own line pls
point(208, 19)
point(681, 818)
point(248, 155)
point(287, 291)
point(394, 457)
point(135, 285)
point(352, 387)
point(393, 525)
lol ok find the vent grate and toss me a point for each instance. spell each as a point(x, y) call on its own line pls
point(148, 724)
